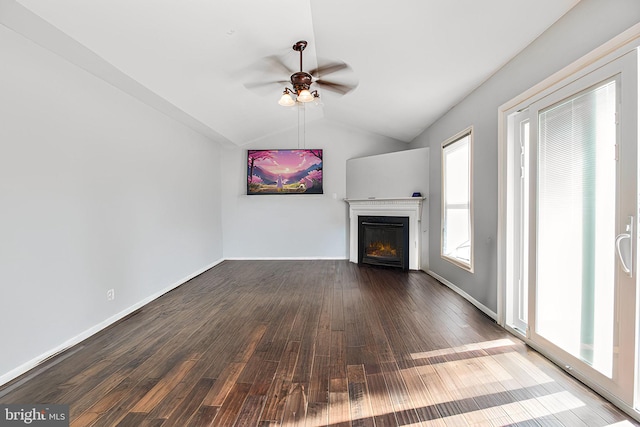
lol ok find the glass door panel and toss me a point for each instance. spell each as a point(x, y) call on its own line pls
point(576, 225)
point(522, 300)
point(517, 312)
point(582, 247)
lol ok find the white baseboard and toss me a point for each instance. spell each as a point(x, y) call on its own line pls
point(464, 295)
point(14, 373)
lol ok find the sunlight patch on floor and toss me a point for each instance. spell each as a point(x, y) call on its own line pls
point(461, 349)
point(464, 379)
point(517, 412)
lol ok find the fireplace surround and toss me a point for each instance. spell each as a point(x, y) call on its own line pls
point(409, 207)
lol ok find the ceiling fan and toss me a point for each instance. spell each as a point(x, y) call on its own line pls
point(301, 81)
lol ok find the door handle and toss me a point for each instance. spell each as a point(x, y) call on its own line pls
point(626, 267)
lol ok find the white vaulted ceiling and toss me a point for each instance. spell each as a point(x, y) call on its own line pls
point(413, 59)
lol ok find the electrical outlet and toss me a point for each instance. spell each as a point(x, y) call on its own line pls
point(111, 294)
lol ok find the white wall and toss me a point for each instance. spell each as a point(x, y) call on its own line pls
point(295, 226)
point(97, 191)
point(398, 174)
point(590, 24)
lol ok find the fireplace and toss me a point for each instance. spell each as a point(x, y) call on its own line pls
point(383, 241)
point(409, 207)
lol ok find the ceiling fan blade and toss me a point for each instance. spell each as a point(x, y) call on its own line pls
point(336, 87)
point(269, 88)
point(257, 85)
point(328, 68)
point(276, 62)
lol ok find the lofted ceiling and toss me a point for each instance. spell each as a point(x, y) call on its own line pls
point(412, 60)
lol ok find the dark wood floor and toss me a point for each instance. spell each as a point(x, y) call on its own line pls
point(313, 343)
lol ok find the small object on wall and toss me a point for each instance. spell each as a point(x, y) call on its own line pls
point(416, 194)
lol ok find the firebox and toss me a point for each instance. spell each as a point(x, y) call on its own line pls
point(383, 241)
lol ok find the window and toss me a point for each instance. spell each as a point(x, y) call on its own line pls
point(457, 227)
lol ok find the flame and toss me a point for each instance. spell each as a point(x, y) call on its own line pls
point(380, 249)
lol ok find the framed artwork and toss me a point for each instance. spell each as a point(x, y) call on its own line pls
point(284, 172)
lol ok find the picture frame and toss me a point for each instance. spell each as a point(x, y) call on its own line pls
point(284, 171)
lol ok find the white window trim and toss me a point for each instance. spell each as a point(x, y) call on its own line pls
point(455, 261)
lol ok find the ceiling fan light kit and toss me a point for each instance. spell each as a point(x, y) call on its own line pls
point(302, 95)
point(286, 100)
point(305, 96)
point(301, 81)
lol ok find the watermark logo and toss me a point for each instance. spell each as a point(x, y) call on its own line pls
point(34, 415)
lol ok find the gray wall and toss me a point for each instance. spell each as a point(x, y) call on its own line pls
point(295, 226)
point(398, 174)
point(97, 191)
point(587, 26)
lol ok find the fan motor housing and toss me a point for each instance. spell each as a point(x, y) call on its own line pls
point(301, 80)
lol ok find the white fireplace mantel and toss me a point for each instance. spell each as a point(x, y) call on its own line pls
point(410, 207)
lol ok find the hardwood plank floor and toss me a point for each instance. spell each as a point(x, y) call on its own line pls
point(310, 343)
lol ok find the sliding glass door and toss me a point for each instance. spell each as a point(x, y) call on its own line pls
point(575, 207)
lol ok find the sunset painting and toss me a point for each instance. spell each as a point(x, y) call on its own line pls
point(284, 172)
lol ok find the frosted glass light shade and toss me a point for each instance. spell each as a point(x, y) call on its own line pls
point(286, 100)
point(305, 96)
